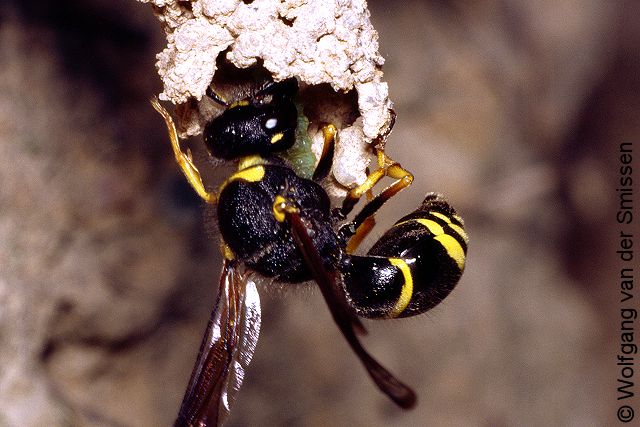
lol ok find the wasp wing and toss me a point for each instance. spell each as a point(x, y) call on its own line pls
point(344, 315)
point(225, 353)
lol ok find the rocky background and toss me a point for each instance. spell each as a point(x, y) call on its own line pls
point(108, 269)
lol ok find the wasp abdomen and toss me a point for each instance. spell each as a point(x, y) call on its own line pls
point(413, 266)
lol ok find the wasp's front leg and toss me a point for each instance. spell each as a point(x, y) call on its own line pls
point(184, 160)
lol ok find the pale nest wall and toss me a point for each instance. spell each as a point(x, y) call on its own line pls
point(513, 109)
point(316, 41)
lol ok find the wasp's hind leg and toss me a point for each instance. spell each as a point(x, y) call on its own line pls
point(413, 266)
point(353, 232)
point(386, 167)
point(184, 160)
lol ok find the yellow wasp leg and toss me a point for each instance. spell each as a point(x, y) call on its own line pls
point(361, 233)
point(329, 134)
point(355, 231)
point(184, 160)
point(386, 167)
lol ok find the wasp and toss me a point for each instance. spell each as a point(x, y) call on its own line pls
point(279, 225)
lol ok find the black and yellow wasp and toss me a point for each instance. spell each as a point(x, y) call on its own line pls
point(282, 226)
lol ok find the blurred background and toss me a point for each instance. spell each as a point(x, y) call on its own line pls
point(513, 109)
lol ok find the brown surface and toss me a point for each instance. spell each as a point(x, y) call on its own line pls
point(512, 109)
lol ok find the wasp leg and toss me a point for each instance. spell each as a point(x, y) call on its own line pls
point(329, 133)
point(360, 234)
point(342, 313)
point(362, 222)
point(386, 167)
point(363, 231)
point(385, 164)
point(184, 160)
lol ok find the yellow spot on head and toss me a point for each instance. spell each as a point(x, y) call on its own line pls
point(407, 287)
point(277, 137)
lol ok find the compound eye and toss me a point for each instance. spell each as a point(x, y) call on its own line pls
point(271, 123)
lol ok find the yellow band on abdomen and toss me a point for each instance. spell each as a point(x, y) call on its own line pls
point(449, 243)
point(407, 287)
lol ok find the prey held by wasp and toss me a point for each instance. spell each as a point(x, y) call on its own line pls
point(279, 225)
